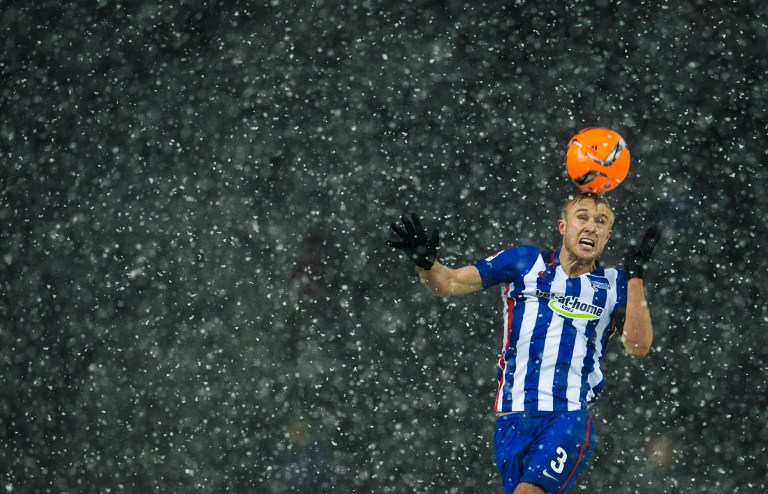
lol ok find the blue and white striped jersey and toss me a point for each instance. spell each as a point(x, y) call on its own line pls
point(556, 329)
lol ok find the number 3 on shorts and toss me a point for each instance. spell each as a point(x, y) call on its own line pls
point(559, 464)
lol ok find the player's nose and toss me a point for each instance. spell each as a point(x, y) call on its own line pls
point(590, 226)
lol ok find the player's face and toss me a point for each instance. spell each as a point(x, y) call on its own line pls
point(586, 229)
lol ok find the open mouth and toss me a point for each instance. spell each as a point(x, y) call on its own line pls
point(587, 242)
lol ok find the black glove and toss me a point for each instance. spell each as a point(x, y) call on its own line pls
point(639, 255)
point(420, 249)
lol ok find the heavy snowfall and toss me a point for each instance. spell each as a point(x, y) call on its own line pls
point(197, 295)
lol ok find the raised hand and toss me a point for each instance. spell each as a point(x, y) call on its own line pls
point(419, 248)
point(639, 255)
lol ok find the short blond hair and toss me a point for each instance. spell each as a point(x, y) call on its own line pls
point(599, 199)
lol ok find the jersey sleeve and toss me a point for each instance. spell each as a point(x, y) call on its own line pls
point(621, 288)
point(507, 265)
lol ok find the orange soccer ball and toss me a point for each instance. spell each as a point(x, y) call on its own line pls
point(597, 160)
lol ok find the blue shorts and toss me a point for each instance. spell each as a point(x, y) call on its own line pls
point(549, 449)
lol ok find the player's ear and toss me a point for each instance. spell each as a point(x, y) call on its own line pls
point(561, 226)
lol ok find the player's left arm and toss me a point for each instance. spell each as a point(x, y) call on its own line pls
point(638, 331)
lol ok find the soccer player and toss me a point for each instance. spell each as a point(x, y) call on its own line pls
point(559, 309)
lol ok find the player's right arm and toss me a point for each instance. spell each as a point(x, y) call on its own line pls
point(443, 281)
point(421, 249)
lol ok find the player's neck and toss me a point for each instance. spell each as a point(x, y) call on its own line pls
point(575, 267)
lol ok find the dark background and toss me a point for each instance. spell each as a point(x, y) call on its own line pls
point(196, 293)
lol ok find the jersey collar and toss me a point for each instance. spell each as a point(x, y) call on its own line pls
point(554, 261)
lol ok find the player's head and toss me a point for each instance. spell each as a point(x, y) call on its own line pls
point(585, 224)
point(598, 199)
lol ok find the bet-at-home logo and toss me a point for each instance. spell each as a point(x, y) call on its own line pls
point(570, 306)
